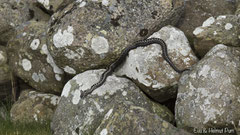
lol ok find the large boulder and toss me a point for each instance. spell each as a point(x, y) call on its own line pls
point(31, 61)
point(134, 120)
point(76, 115)
point(224, 29)
point(208, 95)
point(34, 106)
point(10, 17)
point(197, 11)
point(151, 72)
point(14, 13)
point(92, 34)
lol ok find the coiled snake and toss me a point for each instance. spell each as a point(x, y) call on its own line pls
point(123, 55)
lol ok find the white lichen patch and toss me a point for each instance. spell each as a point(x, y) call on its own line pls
point(221, 17)
point(208, 22)
point(63, 39)
point(204, 71)
point(105, 2)
point(210, 113)
point(191, 87)
point(35, 117)
point(76, 97)
point(214, 33)
point(97, 106)
point(108, 114)
point(35, 95)
point(228, 26)
point(198, 30)
point(76, 54)
point(45, 3)
point(58, 77)
point(38, 77)
point(157, 85)
point(35, 77)
point(54, 100)
point(218, 95)
point(24, 34)
point(82, 4)
point(66, 89)
point(69, 70)
point(221, 55)
point(214, 74)
point(34, 44)
point(26, 64)
point(100, 45)
point(3, 57)
point(50, 60)
point(104, 132)
point(124, 93)
point(41, 77)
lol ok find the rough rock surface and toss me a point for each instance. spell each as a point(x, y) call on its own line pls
point(224, 29)
point(83, 116)
point(96, 32)
point(31, 61)
point(53, 5)
point(10, 17)
point(34, 106)
point(16, 12)
point(209, 94)
point(197, 11)
point(134, 120)
point(237, 12)
point(151, 72)
point(5, 75)
point(4, 68)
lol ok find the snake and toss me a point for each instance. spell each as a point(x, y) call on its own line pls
point(124, 54)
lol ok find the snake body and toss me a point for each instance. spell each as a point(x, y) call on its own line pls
point(123, 55)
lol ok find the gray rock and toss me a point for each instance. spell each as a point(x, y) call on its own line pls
point(209, 94)
point(34, 106)
point(96, 32)
point(237, 12)
point(5, 75)
point(197, 11)
point(224, 29)
point(151, 72)
point(83, 116)
point(54, 5)
point(3, 56)
point(14, 13)
point(31, 61)
point(134, 120)
point(10, 17)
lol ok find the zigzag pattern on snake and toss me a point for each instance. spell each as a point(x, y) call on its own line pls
point(123, 55)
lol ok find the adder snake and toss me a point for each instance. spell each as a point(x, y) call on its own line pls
point(123, 55)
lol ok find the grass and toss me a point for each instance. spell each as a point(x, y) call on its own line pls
point(7, 127)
